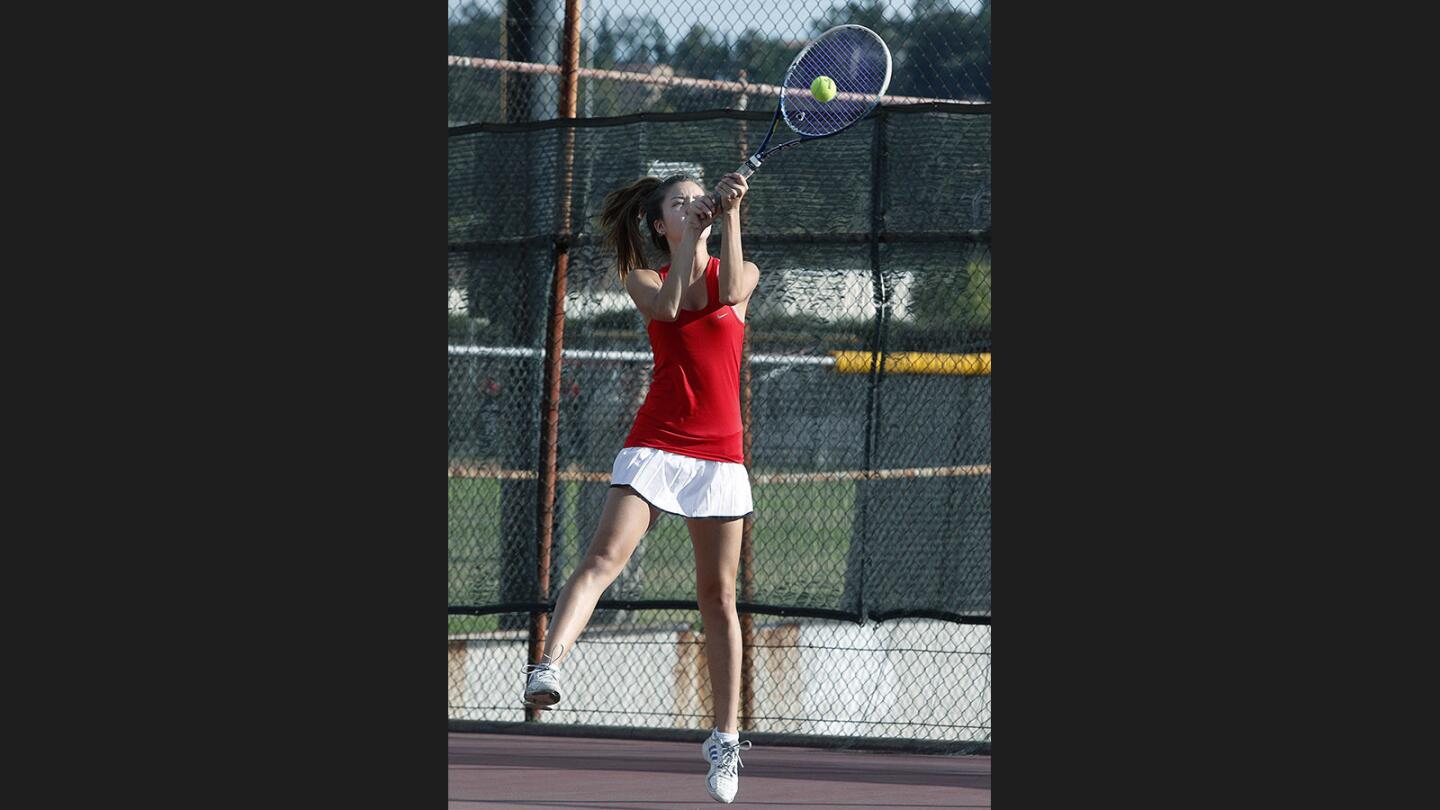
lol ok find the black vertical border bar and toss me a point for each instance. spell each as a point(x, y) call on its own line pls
point(877, 344)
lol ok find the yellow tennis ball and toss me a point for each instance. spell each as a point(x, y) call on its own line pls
point(823, 88)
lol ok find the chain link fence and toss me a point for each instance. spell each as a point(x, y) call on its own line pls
point(903, 679)
point(864, 587)
point(865, 391)
point(634, 56)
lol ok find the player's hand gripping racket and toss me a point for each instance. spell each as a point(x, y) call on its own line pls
point(856, 61)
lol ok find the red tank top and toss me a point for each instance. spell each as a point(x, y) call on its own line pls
point(693, 407)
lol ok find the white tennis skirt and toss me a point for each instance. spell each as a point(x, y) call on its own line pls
point(681, 485)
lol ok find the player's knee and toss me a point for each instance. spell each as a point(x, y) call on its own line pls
point(715, 597)
point(603, 564)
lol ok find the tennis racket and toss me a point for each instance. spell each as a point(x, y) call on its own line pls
point(856, 59)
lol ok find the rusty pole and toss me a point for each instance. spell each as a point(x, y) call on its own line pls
point(555, 337)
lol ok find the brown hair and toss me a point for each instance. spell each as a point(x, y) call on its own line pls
point(622, 211)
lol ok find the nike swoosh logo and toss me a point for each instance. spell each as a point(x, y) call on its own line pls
point(723, 314)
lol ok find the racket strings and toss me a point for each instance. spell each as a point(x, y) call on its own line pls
point(857, 63)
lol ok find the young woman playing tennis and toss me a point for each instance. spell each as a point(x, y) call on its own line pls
point(684, 453)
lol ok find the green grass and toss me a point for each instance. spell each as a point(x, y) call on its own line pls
point(801, 534)
point(474, 624)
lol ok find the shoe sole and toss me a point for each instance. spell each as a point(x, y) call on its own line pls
point(543, 700)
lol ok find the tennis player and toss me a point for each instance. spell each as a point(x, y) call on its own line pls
point(684, 453)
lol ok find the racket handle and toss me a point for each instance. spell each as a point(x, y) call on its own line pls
point(746, 169)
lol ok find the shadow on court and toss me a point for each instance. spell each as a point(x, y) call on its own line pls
point(510, 770)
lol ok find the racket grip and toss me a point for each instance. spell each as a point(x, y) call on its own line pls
point(746, 169)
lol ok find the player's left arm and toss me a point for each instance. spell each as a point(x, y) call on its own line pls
point(737, 276)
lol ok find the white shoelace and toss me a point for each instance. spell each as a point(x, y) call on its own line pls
point(730, 761)
point(532, 668)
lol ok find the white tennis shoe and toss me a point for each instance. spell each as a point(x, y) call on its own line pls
point(542, 685)
point(723, 781)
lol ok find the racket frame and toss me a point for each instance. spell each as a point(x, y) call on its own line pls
point(760, 155)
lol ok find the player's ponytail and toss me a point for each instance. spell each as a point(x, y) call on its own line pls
point(623, 211)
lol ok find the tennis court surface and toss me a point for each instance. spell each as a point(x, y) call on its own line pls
point(514, 770)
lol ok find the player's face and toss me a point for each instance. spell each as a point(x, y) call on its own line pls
point(677, 197)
